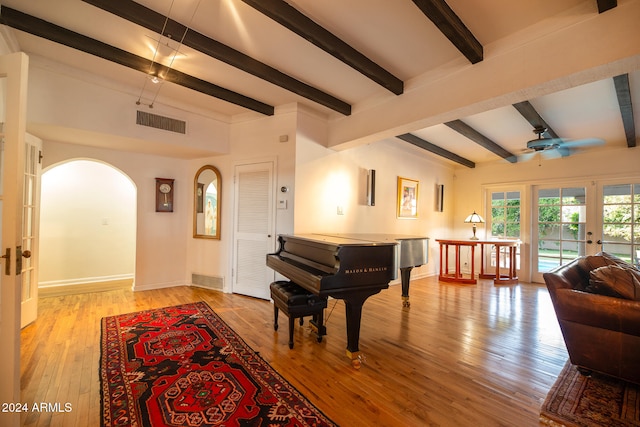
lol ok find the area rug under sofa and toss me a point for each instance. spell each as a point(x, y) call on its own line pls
point(596, 400)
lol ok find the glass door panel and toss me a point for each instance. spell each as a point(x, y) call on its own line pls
point(30, 225)
point(561, 227)
point(621, 221)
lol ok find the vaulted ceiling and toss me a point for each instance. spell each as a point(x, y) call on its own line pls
point(343, 59)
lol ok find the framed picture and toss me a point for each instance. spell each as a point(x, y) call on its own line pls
point(407, 198)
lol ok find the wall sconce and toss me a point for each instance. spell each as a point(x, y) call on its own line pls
point(474, 219)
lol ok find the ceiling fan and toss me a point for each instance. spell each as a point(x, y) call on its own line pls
point(555, 147)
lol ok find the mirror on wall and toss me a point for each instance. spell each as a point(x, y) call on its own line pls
point(206, 211)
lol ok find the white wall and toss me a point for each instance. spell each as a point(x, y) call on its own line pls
point(160, 239)
point(326, 179)
point(166, 252)
point(88, 217)
point(76, 105)
point(253, 141)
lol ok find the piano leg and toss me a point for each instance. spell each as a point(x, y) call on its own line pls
point(405, 277)
point(318, 326)
point(353, 302)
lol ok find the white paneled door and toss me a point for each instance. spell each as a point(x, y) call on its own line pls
point(253, 229)
point(13, 88)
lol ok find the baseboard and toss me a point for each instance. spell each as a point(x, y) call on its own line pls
point(84, 288)
point(153, 286)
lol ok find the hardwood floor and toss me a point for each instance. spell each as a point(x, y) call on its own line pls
point(461, 355)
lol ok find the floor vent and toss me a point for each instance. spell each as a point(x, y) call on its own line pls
point(209, 282)
point(161, 122)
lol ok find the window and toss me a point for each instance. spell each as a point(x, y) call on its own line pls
point(505, 214)
point(505, 223)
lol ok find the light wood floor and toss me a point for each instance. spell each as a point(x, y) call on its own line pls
point(461, 355)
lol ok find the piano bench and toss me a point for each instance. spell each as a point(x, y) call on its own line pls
point(297, 302)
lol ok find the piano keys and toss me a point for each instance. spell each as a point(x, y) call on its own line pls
point(349, 267)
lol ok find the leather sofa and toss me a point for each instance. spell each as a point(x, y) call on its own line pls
point(601, 328)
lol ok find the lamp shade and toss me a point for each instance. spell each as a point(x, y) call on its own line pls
point(474, 218)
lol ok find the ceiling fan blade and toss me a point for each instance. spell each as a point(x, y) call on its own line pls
point(586, 142)
point(555, 153)
point(526, 155)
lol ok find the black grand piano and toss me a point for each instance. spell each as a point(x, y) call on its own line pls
point(351, 267)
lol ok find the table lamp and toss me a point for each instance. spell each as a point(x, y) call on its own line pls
point(474, 218)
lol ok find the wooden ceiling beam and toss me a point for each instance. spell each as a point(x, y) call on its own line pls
point(623, 92)
point(467, 131)
point(604, 5)
point(439, 12)
point(533, 117)
point(154, 21)
point(289, 17)
point(38, 27)
point(426, 145)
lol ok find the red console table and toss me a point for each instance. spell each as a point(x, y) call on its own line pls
point(500, 279)
point(457, 276)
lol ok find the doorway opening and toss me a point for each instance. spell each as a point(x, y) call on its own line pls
point(87, 228)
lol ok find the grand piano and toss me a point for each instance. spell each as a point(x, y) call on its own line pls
point(351, 267)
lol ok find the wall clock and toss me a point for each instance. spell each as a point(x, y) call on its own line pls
point(164, 195)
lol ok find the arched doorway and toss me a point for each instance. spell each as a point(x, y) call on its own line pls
point(87, 228)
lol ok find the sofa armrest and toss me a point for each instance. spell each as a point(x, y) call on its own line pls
point(599, 311)
point(568, 276)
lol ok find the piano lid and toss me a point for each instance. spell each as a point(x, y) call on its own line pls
point(373, 237)
point(347, 239)
point(412, 251)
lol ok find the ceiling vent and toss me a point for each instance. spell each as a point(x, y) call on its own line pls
point(161, 122)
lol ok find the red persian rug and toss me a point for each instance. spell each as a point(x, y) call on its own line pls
point(598, 400)
point(183, 366)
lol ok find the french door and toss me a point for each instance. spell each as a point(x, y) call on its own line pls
point(621, 219)
point(576, 220)
point(30, 228)
point(13, 95)
point(564, 226)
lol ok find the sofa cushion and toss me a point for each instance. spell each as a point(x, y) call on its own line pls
point(591, 262)
point(616, 260)
point(587, 264)
point(616, 281)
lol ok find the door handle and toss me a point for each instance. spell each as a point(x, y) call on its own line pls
point(7, 263)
